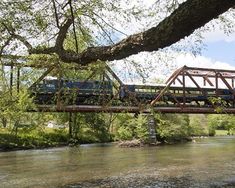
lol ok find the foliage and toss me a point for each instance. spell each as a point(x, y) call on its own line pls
point(211, 131)
point(96, 126)
point(223, 132)
point(219, 104)
point(130, 127)
point(93, 21)
point(172, 128)
point(222, 122)
point(34, 139)
point(13, 108)
point(33, 133)
point(125, 133)
point(142, 130)
point(90, 128)
point(198, 125)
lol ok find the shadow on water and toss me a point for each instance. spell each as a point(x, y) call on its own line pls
point(150, 182)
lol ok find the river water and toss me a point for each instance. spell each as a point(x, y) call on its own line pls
point(209, 162)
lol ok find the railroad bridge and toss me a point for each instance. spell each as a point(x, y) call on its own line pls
point(187, 90)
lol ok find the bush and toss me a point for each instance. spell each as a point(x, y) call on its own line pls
point(132, 128)
point(124, 133)
point(211, 131)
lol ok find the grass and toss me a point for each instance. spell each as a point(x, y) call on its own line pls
point(46, 137)
point(32, 139)
point(222, 132)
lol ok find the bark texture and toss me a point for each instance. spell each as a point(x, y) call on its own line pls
point(189, 16)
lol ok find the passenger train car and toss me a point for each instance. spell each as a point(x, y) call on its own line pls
point(173, 94)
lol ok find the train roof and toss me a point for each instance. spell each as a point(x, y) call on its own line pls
point(145, 86)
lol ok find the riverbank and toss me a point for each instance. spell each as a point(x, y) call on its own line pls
point(44, 140)
point(10, 142)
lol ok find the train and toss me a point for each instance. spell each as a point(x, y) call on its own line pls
point(49, 91)
point(77, 92)
point(175, 94)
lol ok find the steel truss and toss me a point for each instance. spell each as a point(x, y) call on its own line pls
point(187, 90)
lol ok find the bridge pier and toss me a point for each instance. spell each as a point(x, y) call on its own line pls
point(152, 129)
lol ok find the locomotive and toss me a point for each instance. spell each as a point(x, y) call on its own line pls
point(71, 92)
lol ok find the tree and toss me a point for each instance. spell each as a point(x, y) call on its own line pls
point(172, 127)
point(222, 122)
point(13, 102)
point(54, 20)
point(129, 127)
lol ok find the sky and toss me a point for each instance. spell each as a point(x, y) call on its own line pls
point(220, 48)
point(221, 51)
point(218, 53)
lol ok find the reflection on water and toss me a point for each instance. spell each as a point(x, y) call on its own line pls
point(207, 163)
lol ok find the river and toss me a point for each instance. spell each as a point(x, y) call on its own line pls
point(209, 162)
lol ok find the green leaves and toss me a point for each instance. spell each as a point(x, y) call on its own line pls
point(40, 21)
point(13, 106)
point(222, 122)
point(130, 127)
point(218, 103)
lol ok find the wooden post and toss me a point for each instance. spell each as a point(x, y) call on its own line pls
point(59, 90)
point(11, 79)
point(75, 128)
point(18, 80)
point(70, 125)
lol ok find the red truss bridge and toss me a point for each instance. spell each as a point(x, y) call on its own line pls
point(188, 90)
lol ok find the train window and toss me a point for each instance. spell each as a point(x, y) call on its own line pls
point(50, 86)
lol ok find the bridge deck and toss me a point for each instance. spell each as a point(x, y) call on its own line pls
point(132, 109)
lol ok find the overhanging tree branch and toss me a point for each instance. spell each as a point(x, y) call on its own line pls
point(56, 14)
point(7, 42)
point(13, 35)
point(62, 34)
point(74, 29)
point(23, 40)
point(189, 16)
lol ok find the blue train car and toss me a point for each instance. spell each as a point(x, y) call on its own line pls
point(72, 92)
